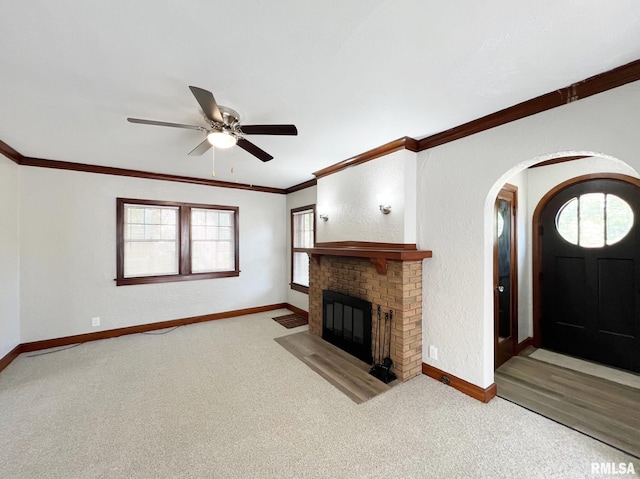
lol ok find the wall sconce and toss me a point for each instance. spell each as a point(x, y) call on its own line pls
point(383, 201)
point(324, 217)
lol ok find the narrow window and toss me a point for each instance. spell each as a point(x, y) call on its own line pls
point(168, 241)
point(302, 236)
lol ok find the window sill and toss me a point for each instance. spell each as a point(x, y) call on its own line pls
point(174, 278)
point(300, 288)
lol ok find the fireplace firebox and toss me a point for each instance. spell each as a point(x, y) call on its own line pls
point(346, 323)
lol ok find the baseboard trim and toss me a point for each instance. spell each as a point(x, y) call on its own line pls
point(10, 356)
point(524, 345)
point(476, 392)
point(298, 311)
point(141, 328)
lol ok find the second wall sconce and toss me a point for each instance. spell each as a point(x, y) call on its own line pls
point(324, 217)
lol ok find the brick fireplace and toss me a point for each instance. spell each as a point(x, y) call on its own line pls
point(389, 275)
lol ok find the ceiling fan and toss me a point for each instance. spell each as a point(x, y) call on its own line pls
point(223, 127)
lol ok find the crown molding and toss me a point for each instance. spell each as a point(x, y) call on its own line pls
point(22, 160)
point(302, 186)
point(10, 153)
point(404, 143)
point(554, 161)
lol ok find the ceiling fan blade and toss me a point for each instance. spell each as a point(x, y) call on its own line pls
point(207, 103)
point(201, 149)
point(269, 129)
point(164, 123)
point(254, 150)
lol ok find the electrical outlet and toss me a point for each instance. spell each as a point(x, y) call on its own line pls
point(433, 352)
point(95, 321)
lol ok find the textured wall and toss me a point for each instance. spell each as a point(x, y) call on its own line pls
point(9, 256)
point(68, 255)
point(457, 186)
point(350, 198)
point(295, 200)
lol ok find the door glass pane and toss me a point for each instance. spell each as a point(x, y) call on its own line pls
point(567, 221)
point(504, 269)
point(619, 219)
point(591, 210)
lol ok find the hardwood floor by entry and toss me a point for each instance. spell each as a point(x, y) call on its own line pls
point(602, 409)
point(345, 372)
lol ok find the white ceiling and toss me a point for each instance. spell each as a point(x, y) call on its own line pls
point(351, 75)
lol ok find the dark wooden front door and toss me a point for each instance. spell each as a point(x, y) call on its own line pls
point(590, 272)
point(505, 275)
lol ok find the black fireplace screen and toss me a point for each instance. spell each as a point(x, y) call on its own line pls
point(346, 323)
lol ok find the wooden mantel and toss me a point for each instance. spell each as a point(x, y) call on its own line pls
point(378, 253)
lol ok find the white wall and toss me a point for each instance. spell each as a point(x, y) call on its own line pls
point(457, 186)
point(9, 256)
point(296, 200)
point(68, 254)
point(350, 198)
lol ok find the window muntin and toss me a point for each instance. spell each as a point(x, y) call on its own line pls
point(303, 236)
point(593, 220)
point(169, 241)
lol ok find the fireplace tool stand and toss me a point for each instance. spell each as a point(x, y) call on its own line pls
point(382, 369)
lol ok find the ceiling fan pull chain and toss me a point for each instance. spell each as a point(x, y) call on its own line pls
point(213, 162)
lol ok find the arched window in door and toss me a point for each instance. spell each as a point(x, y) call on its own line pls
point(594, 220)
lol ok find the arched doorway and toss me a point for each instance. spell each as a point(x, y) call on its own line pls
point(586, 269)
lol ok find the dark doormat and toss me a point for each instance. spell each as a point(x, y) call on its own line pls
point(291, 320)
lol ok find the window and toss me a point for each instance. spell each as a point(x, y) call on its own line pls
point(167, 241)
point(594, 220)
point(303, 226)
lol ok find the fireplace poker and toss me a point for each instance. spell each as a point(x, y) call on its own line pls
point(378, 356)
point(384, 337)
point(387, 362)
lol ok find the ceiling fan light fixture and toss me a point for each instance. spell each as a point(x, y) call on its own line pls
point(221, 139)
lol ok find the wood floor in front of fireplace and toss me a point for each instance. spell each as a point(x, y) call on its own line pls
point(347, 373)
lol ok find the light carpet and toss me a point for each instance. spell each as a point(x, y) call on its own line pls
point(224, 400)
point(587, 367)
